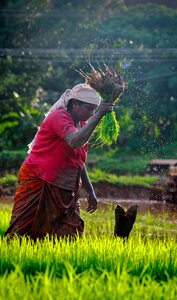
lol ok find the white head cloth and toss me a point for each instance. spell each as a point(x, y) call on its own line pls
point(173, 170)
point(83, 92)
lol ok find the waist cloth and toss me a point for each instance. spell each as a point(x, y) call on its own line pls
point(41, 208)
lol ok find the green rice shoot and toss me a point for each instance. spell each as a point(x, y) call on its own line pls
point(110, 86)
point(97, 266)
point(108, 130)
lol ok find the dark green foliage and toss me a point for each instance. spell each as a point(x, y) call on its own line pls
point(11, 160)
point(40, 50)
point(146, 33)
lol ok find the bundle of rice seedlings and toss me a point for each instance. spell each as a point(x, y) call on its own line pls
point(110, 86)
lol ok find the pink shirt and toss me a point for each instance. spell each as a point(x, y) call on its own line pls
point(51, 158)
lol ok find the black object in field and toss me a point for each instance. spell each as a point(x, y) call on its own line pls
point(124, 220)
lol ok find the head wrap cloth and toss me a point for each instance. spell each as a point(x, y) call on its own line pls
point(83, 92)
point(173, 170)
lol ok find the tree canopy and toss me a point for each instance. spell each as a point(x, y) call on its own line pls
point(43, 43)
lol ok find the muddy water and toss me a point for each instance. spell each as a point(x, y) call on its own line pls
point(144, 206)
point(6, 200)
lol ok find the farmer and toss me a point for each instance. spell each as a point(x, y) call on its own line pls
point(46, 199)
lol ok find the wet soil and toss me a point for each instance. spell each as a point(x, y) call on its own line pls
point(102, 189)
point(124, 196)
point(110, 193)
point(153, 206)
point(107, 190)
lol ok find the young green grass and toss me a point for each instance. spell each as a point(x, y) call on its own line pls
point(97, 266)
point(98, 175)
point(8, 179)
point(88, 286)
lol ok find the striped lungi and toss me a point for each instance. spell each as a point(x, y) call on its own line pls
point(41, 208)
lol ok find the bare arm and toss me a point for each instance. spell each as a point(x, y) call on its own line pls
point(86, 182)
point(78, 138)
point(91, 197)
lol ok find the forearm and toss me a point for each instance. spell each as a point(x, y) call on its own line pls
point(91, 197)
point(86, 182)
point(79, 138)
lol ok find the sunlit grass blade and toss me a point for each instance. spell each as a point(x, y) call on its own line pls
point(96, 266)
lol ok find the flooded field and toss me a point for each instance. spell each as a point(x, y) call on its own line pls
point(144, 206)
point(155, 219)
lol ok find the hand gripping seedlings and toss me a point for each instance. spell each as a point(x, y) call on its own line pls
point(124, 220)
point(110, 86)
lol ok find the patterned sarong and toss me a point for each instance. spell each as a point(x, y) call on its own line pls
point(41, 208)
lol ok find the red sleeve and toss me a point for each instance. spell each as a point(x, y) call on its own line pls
point(62, 123)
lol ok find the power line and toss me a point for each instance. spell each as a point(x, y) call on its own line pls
point(42, 52)
point(62, 11)
point(69, 59)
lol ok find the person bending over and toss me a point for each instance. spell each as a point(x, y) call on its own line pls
point(47, 199)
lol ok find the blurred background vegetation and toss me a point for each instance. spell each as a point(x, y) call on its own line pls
point(43, 43)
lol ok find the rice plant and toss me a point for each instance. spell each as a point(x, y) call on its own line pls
point(96, 266)
point(110, 86)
